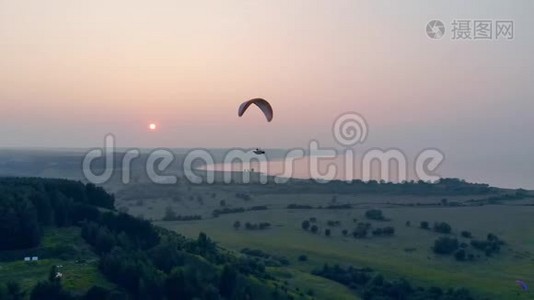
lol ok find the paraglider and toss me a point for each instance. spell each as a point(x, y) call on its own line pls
point(522, 285)
point(265, 107)
point(258, 151)
point(261, 103)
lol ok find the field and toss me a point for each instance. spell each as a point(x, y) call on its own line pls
point(79, 269)
point(407, 254)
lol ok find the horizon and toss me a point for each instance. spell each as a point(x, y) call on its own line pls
point(301, 166)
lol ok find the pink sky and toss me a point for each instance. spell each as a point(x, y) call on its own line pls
point(72, 71)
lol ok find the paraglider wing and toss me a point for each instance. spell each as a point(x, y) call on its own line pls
point(261, 103)
point(522, 285)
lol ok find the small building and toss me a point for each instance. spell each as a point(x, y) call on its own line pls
point(35, 258)
point(27, 258)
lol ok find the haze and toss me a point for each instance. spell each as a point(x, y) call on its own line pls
point(73, 71)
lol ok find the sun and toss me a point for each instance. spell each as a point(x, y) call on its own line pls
point(152, 126)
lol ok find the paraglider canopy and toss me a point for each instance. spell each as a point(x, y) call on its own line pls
point(261, 103)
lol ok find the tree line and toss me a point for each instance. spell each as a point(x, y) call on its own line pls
point(372, 285)
point(28, 205)
point(142, 260)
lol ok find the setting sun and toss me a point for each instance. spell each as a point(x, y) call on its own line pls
point(152, 126)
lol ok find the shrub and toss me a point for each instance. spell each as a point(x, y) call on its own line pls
point(237, 224)
point(442, 227)
point(424, 225)
point(386, 231)
point(374, 214)
point(299, 206)
point(445, 245)
point(333, 223)
point(491, 245)
point(466, 234)
point(339, 206)
point(258, 226)
point(460, 255)
point(361, 230)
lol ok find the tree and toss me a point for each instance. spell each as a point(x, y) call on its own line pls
point(170, 215)
point(374, 214)
point(237, 224)
point(361, 230)
point(388, 230)
point(466, 234)
point(314, 229)
point(327, 232)
point(54, 275)
point(306, 225)
point(19, 226)
point(205, 244)
point(345, 232)
point(46, 290)
point(445, 245)
point(424, 225)
point(97, 293)
point(228, 281)
point(303, 257)
point(176, 285)
point(14, 291)
point(222, 203)
point(460, 255)
point(105, 240)
point(442, 227)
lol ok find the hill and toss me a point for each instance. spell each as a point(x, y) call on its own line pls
point(86, 249)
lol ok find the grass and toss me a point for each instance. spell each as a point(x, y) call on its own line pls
point(314, 286)
point(77, 277)
point(492, 277)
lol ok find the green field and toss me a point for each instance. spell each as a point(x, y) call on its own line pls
point(80, 270)
point(407, 254)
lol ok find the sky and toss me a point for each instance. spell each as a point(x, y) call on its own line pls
point(72, 71)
